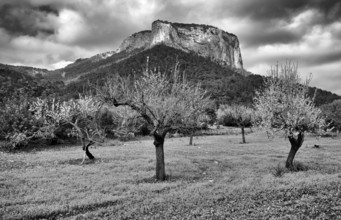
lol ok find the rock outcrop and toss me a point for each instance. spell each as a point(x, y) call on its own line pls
point(101, 56)
point(140, 40)
point(204, 40)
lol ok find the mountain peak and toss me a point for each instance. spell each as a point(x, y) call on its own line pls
point(205, 40)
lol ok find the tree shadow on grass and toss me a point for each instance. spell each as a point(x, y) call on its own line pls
point(36, 146)
point(169, 178)
point(79, 161)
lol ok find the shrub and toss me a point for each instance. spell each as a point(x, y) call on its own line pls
point(279, 170)
point(298, 166)
point(18, 125)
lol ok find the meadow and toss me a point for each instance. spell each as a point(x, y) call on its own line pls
point(217, 178)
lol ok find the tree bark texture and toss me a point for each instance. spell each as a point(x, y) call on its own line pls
point(160, 158)
point(296, 143)
point(191, 139)
point(86, 150)
point(243, 135)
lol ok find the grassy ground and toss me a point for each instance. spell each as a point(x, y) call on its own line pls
point(218, 178)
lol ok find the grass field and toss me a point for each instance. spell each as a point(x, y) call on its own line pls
point(218, 178)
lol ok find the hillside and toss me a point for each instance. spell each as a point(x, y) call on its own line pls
point(15, 83)
point(27, 70)
point(224, 84)
point(88, 65)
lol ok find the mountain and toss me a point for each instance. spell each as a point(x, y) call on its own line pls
point(29, 71)
point(81, 67)
point(140, 40)
point(16, 81)
point(206, 55)
point(207, 41)
point(225, 84)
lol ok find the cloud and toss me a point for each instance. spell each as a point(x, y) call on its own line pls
point(269, 10)
point(24, 19)
point(71, 27)
point(327, 77)
point(60, 64)
point(182, 11)
point(37, 52)
point(271, 21)
point(260, 34)
point(38, 33)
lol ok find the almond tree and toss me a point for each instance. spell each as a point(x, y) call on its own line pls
point(239, 114)
point(285, 105)
point(80, 114)
point(164, 103)
point(194, 122)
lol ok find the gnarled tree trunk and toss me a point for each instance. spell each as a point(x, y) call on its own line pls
point(191, 138)
point(86, 150)
point(160, 158)
point(296, 143)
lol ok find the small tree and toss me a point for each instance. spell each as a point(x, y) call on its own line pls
point(194, 123)
point(81, 114)
point(237, 115)
point(284, 105)
point(165, 103)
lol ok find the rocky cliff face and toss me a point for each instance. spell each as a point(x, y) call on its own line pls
point(136, 41)
point(204, 40)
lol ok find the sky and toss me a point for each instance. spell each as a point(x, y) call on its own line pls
point(53, 33)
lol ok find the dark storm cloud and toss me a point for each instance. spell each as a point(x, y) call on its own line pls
point(268, 18)
point(24, 19)
point(48, 9)
point(312, 59)
point(104, 25)
point(323, 58)
point(330, 8)
point(268, 9)
point(265, 10)
point(261, 34)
